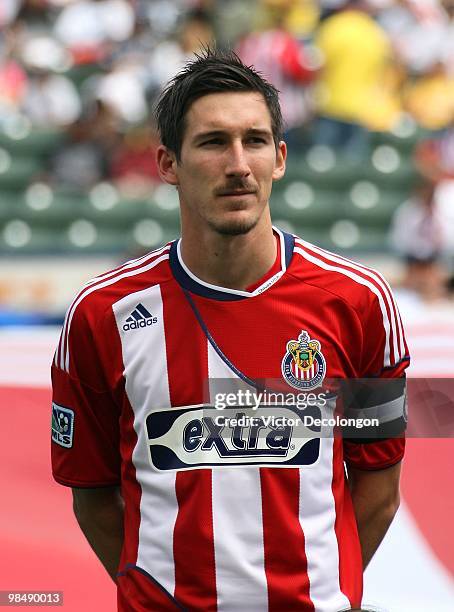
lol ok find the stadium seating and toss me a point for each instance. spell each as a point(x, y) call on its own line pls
point(330, 201)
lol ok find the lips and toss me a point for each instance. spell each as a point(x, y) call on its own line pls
point(236, 193)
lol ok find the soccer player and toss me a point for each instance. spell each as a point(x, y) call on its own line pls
point(186, 513)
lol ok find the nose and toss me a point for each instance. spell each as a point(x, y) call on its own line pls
point(237, 163)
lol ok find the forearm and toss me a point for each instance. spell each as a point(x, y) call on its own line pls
point(373, 523)
point(375, 497)
point(100, 517)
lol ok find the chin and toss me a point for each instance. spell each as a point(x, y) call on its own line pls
point(234, 227)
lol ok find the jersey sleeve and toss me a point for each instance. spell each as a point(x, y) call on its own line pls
point(85, 414)
point(380, 390)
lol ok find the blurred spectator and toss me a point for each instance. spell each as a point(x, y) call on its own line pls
point(424, 280)
point(435, 156)
point(429, 91)
point(133, 162)
point(234, 18)
point(416, 230)
point(302, 17)
point(13, 77)
point(88, 27)
point(417, 235)
point(355, 86)
point(194, 31)
point(408, 22)
point(161, 16)
point(52, 100)
point(430, 99)
point(8, 12)
point(444, 198)
point(282, 59)
point(83, 159)
point(39, 50)
point(435, 160)
point(423, 228)
point(13, 82)
point(123, 90)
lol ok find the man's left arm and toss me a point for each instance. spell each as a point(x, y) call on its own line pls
point(377, 391)
point(375, 496)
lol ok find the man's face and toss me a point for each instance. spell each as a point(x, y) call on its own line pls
point(228, 163)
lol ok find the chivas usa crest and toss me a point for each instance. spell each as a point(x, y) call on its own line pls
point(304, 366)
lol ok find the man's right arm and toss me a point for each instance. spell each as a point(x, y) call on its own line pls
point(100, 513)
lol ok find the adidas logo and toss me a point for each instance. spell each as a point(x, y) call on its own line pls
point(139, 317)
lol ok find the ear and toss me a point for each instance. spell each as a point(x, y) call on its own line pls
point(281, 156)
point(167, 163)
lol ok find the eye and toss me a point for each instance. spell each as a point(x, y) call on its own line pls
point(211, 141)
point(256, 140)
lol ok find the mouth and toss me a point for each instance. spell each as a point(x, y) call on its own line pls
point(235, 193)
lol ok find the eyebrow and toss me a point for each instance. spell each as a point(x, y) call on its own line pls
point(250, 132)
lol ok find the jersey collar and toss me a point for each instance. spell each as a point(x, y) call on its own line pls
point(190, 282)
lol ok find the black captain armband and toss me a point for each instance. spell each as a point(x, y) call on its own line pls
point(375, 409)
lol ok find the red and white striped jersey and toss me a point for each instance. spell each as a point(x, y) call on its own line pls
point(251, 521)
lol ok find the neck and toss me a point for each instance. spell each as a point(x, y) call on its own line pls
point(233, 262)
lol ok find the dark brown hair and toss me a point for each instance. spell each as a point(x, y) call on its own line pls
point(212, 71)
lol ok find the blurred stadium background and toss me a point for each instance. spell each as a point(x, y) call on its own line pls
point(368, 96)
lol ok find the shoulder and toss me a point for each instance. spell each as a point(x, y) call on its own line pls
point(361, 289)
point(359, 285)
point(102, 292)
point(89, 318)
